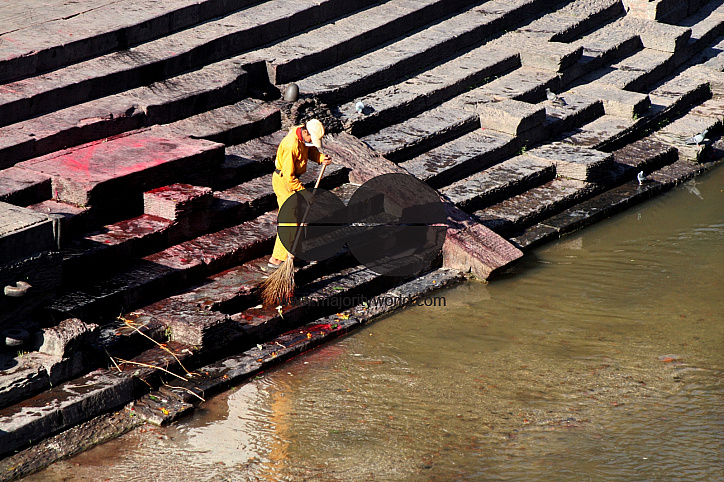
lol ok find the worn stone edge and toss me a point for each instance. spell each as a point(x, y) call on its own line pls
point(104, 427)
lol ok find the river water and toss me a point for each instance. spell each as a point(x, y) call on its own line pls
point(598, 357)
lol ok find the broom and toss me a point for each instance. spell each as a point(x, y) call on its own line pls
point(280, 285)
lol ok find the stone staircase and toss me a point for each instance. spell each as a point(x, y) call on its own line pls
point(137, 146)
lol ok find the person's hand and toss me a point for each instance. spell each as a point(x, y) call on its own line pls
point(325, 160)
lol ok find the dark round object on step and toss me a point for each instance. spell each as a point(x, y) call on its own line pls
point(15, 336)
point(291, 93)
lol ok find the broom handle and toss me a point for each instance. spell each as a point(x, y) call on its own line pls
point(296, 239)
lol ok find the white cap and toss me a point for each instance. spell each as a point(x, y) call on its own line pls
point(316, 130)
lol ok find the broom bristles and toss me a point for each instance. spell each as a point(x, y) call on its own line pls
point(278, 288)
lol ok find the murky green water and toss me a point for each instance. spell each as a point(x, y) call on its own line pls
point(601, 357)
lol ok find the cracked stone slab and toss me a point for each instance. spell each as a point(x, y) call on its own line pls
point(574, 162)
point(510, 116)
point(616, 102)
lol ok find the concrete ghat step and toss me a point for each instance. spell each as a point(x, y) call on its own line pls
point(348, 36)
point(159, 103)
point(30, 48)
point(513, 214)
point(422, 91)
point(113, 175)
point(374, 69)
point(498, 182)
point(165, 57)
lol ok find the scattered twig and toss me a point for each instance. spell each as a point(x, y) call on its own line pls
point(186, 389)
point(154, 367)
point(113, 360)
point(131, 324)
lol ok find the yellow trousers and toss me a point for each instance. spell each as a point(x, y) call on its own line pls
point(283, 191)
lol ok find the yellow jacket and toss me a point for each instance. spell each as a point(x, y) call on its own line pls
point(292, 157)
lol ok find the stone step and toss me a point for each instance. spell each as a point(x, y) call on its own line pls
point(157, 275)
point(494, 184)
point(574, 162)
point(164, 57)
point(412, 96)
point(616, 101)
point(572, 20)
point(94, 28)
point(415, 94)
point(663, 171)
point(63, 406)
point(706, 24)
point(461, 157)
point(601, 48)
point(419, 134)
point(159, 103)
point(443, 164)
point(222, 374)
point(513, 214)
point(346, 37)
point(23, 233)
point(111, 176)
point(379, 67)
point(249, 160)
point(510, 116)
point(708, 117)
point(112, 245)
point(231, 124)
point(668, 97)
point(636, 72)
point(666, 11)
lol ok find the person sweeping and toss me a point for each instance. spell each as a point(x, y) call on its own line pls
point(301, 145)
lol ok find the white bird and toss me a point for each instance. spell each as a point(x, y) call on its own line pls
point(641, 177)
point(360, 107)
point(697, 139)
point(556, 99)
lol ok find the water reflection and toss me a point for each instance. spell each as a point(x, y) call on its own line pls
point(598, 357)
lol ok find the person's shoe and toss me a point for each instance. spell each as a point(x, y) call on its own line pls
point(273, 265)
